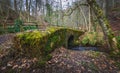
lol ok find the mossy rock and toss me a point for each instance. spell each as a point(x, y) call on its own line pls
point(41, 43)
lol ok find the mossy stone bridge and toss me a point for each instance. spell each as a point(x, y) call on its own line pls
point(36, 43)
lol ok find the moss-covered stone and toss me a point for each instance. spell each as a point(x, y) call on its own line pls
point(41, 43)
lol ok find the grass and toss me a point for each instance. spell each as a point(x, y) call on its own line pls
point(11, 29)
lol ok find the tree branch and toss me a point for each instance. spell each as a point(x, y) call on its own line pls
point(70, 10)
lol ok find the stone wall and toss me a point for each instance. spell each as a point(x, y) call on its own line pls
point(41, 43)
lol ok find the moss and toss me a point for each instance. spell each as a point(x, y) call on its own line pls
point(85, 41)
point(48, 57)
point(117, 44)
point(41, 43)
point(76, 42)
point(92, 39)
point(103, 23)
point(40, 63)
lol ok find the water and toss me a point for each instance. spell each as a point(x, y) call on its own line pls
point(80, 48)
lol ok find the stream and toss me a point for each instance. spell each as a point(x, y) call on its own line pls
point(80, 48)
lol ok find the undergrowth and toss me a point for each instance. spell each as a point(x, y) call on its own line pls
point(92, 39)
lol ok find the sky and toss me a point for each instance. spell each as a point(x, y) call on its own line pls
point(66, 2)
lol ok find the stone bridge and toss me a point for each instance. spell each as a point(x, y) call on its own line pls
point(36, 43)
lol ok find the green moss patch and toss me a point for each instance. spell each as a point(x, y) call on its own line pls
point(92, 39)
point(41, 43)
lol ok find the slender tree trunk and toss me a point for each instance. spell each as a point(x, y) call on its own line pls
point(84, 17)
point(90, 19)
point(105, 7)
point(61, 13)
point(36, 8)
point(15, 5)
point(29, 6)
point(113, 5)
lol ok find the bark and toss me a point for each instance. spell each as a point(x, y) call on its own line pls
point(104, 7)
point(104, 24)
point(15, 5)
point(36, 5)
point(27, 7)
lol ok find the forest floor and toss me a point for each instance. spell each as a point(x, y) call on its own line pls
point(63, 60)
point(114, 18)
point(70, 61)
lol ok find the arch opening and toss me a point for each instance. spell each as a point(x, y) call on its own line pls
point(70, 42)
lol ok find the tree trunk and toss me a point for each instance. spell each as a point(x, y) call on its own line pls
point(104, 24)
point(15, 5)
point(36, 5)
point(27, 7)
point(104, 7)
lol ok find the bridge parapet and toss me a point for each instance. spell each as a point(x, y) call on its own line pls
point(41, 43)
